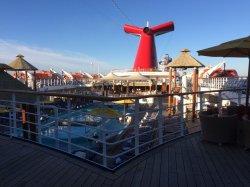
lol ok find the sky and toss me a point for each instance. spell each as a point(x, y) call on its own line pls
point(88, 35)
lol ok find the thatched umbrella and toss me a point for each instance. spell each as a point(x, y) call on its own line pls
point(185, 60)
point(20, 64)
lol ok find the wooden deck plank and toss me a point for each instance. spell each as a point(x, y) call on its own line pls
point(107, 182)
point(155, 181)
point(24, 168)
point(172, 171)
point(99, 181)
point(228, 164)
point(52, 180)
point(182, 181)
point(164, 168)
point(128, 178)
point(91, 180)
point(118, 181)
point(66, 175)
point(193, 157)
point(45, 170)
point(12, 155)
point(138, 174)
point(219, 163)
point(210, 165)
point(184, 162)
point(242, 173)
point(30, 174)
point(83, 177)
point(202, 162)
point(187, 164)
point(14, 165)
point(75, 174)
point(146, 178)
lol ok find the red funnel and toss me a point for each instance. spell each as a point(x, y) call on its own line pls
point(146, 59)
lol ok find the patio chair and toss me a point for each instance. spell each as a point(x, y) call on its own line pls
point(218, 129)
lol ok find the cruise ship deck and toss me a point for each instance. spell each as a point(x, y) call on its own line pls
point(187, 161)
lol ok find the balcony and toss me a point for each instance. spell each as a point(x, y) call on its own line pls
point(97, 130)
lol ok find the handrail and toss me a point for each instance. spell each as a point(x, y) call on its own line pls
point(105, 98)
point(98, 142)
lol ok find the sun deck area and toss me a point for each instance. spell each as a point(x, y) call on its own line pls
point(187, 161)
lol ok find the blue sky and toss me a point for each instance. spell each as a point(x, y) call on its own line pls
point(87, 35)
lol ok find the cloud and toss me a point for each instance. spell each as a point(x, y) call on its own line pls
point(45, 58)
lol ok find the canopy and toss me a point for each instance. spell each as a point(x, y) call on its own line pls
point(132, 77)
point(111, 76)
point(185, 60)
point(234, 48)
point(124, 101)
point(105, 112)
point(21, 64)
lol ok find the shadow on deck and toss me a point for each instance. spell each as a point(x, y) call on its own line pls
point(184, 162)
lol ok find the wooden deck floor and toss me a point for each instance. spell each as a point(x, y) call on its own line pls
point(184, 162)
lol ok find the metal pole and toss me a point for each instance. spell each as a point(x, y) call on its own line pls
point(239, 97)
point(182, 116)
point(14, 113)
point(104, 149)
point(170, 91)
point(201, 104)
point(136, 128)
point(248, 85)
point(220, 103)
point(69, 124)
point(160, 120)
point(56, 126)
point(38, 108)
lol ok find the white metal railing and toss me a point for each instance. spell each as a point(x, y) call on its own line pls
point(223, 82)
point(100, 138)
point(58, 82)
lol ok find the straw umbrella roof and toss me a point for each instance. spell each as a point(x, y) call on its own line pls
point(185, 60)
point(124, 101)
point(5, 67)
point(105, 112)
point(21, 64)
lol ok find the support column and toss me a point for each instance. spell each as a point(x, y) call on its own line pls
point(195, 81)
point(170, 91)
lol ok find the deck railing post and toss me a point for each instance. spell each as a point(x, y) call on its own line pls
point(182, 115)
point(14, 113)
point(239, 97)
point(56, 126)
point(219, 102)
point(201, 104)
point(10, 123)
point(104, 148)
point(160, 120)
point(38, 108)
point(136, 128)
point(69, 124)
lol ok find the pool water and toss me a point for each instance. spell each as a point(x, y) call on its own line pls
point(77, 132)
